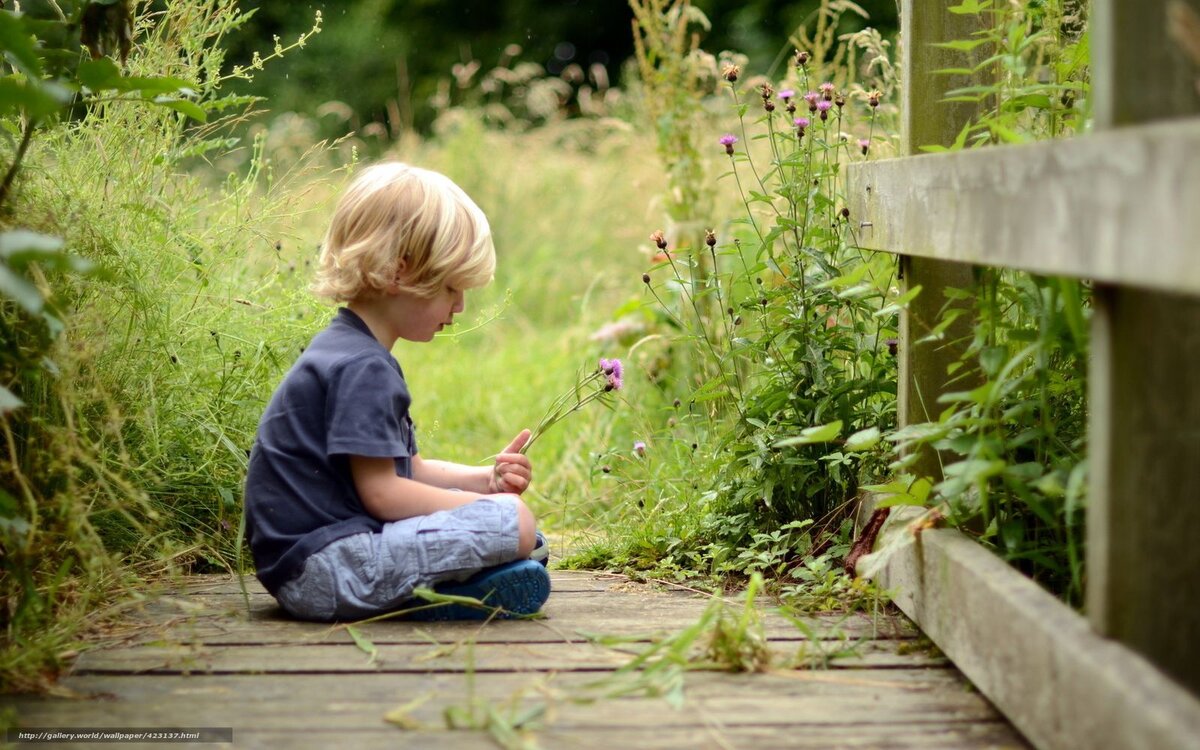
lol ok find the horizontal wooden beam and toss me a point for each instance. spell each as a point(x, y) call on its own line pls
point(1121, 207)
point(1037, 660)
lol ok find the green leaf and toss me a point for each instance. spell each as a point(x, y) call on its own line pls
point(863, 439)
point(818, 434)
point(100, 74)
point(8, 403)
point(962, 45)
point(900, 302)
point(20, 291)
point(32, 97)
point(970, 7)
point(17, 44)
point(364, 644)
point(191, 109)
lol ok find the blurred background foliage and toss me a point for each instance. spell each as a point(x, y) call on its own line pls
point(392, 62)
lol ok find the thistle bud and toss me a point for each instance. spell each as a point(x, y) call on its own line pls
point(710, 238)
point(645, 278)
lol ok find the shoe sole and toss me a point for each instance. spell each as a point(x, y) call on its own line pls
point(518, 589)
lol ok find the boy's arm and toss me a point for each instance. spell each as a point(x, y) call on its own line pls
point(389, 497)
point(511, 472)
point(452, 476)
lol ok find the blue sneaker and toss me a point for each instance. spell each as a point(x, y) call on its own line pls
point(541, 550)
point(517, 588)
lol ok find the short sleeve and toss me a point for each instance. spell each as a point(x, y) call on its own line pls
point(366, 410)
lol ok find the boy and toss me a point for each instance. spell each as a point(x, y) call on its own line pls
point(344, 518)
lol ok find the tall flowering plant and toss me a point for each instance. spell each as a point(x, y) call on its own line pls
point(597, 385)
point(795, 354)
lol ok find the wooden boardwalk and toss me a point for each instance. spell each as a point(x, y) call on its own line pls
point(194, 658)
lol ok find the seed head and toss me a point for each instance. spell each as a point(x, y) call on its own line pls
point(658, 237)
point(826, 90)
point(873, 98)
point(767, 92)
point(710, 238)
point(730, 73)
point(801, 58)
point(840, 101)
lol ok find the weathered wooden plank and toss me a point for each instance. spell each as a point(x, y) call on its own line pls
point(713, 737)
point(561, 582)
point(459, 657)
point(208, 618)
point(928, 119)
point(1118, 207)
point(1143, 563)
point(304, 694)
point(1039, 662)
point(1144, 407)
point(778, 699)
point(1140, 68)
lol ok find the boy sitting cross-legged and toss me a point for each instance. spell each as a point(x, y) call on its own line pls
point(344, 517)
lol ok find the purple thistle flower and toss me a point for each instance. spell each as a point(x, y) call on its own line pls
point(823, 108)
point(812, 97)
point(615, 372)
point(801, 123)
point(727, 141)
point(864, 144)
point(639, 448)
point(786, 95)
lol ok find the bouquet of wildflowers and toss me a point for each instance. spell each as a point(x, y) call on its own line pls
point(598, 385)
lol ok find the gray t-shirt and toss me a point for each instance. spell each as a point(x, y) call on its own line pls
point(345, 396)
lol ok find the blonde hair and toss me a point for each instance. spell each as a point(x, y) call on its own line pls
point(397, 216)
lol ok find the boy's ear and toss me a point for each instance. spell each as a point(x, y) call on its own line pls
point(399, 277)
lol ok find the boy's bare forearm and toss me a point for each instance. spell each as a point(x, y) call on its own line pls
point(452, 476)
point(407, 498)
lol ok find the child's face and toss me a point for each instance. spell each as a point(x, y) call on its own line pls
point(419, 318)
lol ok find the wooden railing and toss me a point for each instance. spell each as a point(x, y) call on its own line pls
point(1120, 207)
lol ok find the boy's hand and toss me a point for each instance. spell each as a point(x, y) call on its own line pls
point(512, 472)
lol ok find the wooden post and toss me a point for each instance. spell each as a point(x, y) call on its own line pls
point(1144, 513)
point(927, 120)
